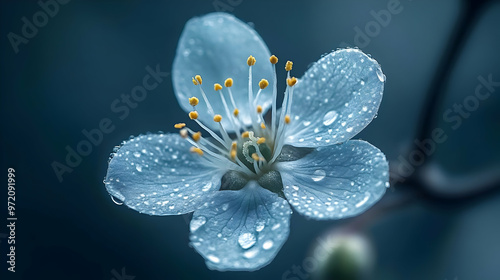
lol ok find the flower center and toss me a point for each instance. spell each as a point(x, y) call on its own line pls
point(251, 149)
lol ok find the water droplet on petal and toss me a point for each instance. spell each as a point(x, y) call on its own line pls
point(116, 200)
point(364, 200)
point(260, 226)
point(138, 167)
point(318, 175)
point(251, 253)
point(213, 258)
point(197, 222)
point(380, 75)
point(268, 245)
point(247, 240)
point(137, 154)
point(330, 117)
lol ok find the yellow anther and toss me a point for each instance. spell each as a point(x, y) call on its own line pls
point(287, 119)
point(217, 87)
point(195, 82)
point(273, 59)
point(198, 79)
point(263, 125)
point(193, 101)
point(179, 125)
point(233, 154)
point(255, 157)
point(288, 65)
point(196, 150)
point(234, 145)
point(261, 140)
point(196, 136)
point(236, 112)
point(228, 82)
point(259, 109)
point(291, 81)
point(183, 133)
point(245, 134)
point(217, 118)
point(251, 61)
point(263, 83)
point(193, 115)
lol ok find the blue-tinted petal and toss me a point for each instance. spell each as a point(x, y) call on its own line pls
point(216, 46)
point(336, 181)
point(157, 175)
point(335, 99)
point(241, 230)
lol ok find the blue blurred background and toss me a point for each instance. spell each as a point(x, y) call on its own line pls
point(439, 219)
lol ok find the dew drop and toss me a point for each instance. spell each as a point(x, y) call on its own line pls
point(213, 258)
point(330, 117)
point(365, 199)
point(380, 75)
point(318, 175)
point(197, 222)
point(116, 200)
point(247, 240)
point(260, 226)
point(137, 154)
point(268, 245)
point(138, 167)
point(225, 206)
point(306, 123)
point(251, 253)
point(364, 109)
point(349, 129)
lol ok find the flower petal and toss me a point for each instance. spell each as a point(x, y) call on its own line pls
point(336, 181)
point(216, 46)
point(335, 99)
point(156, 174)
point(241, 230)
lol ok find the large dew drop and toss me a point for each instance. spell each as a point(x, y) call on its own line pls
point(330, 117)
point(380, 75)
point(247, 240)
point(318, 175)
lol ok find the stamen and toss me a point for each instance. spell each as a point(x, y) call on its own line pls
point(251, 61)
point(236, 112)
point(193, 101)
point(245, 134)
point(288, 66)
point(193, 115)
point(217, 118)
point(179, 125)
point(287, 119)
point(255, 157)
point(273, 59)
point(291, 81)
point(196, 150)
point(262, 125)
point(259, 109)
point(262, 85)
point(194, 82)
point(196, 136)
point(228, 82)
point(198, 78)
point(217, 87)
point(261, 140)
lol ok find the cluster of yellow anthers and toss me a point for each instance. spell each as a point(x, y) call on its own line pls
point(248, 153)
